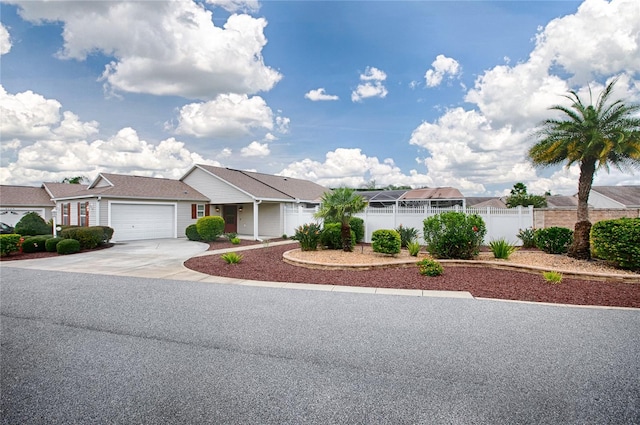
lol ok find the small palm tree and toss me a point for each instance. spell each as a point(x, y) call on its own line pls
point(340, 205)
point(593, 136)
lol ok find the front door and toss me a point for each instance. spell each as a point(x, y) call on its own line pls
point(230, 215)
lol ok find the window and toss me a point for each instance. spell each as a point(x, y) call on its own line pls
point(65, 214)
point(199, 210)
point(83, 214)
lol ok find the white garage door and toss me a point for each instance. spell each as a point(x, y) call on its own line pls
point(142, 221)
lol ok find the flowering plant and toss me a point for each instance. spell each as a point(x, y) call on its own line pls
point(308, 235)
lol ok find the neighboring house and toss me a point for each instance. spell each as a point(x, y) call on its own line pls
point(615, 197)
point(135, 207)
point(561, 201)
point(251, 203)
point(436, 197)
point(484, 202)
point(16, 201)
point(381, 198)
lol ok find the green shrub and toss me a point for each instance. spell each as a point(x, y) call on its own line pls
point(407, 234)
point(308, 235)
point(331, 236)
point(235, 241)
point(32, 224)
point(554, 240)
point(107, 234)
point(430, 267)
point(386, 241)
point(414, 248)
point(527, 236)
point(192, 233)
point(231, 257)
point(454, 235)
point(210, 227)
point(552, 277)
point(9, 243)
point(68, 246)
point(357, 227)
point(34, 244)
point(501, 248)
point(50, 244)
point(89, 237)
point(230, 236)
point(617, 241)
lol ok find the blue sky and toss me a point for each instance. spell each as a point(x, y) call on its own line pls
point(418, 93)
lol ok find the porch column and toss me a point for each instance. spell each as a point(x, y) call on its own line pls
point(256, 231)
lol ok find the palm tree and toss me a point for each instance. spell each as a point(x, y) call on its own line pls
point(339, 206)
point(594, 137)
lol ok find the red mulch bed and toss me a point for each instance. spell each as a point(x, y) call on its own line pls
point(266, 264)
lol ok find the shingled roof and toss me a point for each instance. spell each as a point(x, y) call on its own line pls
point(122, 186)
point(629, 196)
point(268, 186)
point(26, 196)
point(432, 193)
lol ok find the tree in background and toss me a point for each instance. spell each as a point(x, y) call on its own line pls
point(75, 180)
point(594, 137)
point(339, 206)
point(519, 196)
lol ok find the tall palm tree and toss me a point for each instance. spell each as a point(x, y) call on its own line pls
point(340, 205)
point(593, 136)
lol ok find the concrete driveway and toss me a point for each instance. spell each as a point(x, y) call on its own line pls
point(158, 258)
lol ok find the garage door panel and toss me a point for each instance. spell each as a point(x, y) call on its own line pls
point(142, 221)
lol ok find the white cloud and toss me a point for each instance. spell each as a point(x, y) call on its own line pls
point(373, 74)
point(352, 168)
point(441, 67)
point(485, 147)
point(228, 115)
point(174, 50)
point(29, 116)
point(255, 149)
point(373, 85)
point(237, 5)
point(5, 40)
point(282, 124)
point(319, 94)
point(125, 152)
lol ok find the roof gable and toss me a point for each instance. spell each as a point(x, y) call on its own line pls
point(629, 196)
point(267, 186)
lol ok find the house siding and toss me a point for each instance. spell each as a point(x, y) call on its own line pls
point(216, 190)
point(184, 218)
point(269, 219)
point(597, 200)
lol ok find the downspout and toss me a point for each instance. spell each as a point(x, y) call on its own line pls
point(255, 220)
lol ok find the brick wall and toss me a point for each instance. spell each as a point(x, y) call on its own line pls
point(544, 217)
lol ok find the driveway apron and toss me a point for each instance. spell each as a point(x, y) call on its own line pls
point(158, 258)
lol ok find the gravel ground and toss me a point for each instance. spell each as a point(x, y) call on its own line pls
point(267, 264)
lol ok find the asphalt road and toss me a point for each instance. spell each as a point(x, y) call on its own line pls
point(91, 349)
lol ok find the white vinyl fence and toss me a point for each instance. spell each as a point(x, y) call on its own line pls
point(500, 222)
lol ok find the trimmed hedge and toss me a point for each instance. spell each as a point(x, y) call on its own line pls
point(32, 224)
point(51, 243)
point(210, 227)
point(617, 241)
point(331, 236)
point(553, 240)
point(192, 233)
point(89, 237)
point(68, 246)
point(9, 243)
point(34, 244)
point(386, 241)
